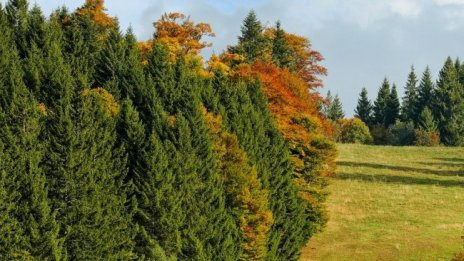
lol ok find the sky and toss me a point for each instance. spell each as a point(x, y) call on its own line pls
point(363, 41)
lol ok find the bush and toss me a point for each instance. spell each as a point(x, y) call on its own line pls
point(353, 131)
point(400, 134)
point(459, 257)
point(426, 138)
point(379, 134)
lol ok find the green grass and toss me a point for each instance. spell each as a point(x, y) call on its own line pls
point(393, 203)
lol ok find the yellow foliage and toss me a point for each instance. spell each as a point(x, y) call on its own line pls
point(96, 10)
point(244, 188)
point(110, 106)
point(41, 107)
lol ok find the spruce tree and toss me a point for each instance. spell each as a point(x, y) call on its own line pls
point(251, 43)
point(281, 54)
point(29, 229)
point(425, 97)
point(449, 105)
point(335, 110)
point(392, 109)
point(363, 109)
point(380, 103)
point(409, 109)
point(426, 121)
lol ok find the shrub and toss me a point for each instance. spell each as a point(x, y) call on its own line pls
point(353, 131)
point(459, 257)
point(400, 134)
point(426, 138)
point(379, 134)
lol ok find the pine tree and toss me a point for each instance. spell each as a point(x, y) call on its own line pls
point(363, 110)
point(392, 109)
point(17, 14)
point(281, 54)
point(380, 103)
point(335, 110)
point(425, 97)
point(409, 110)
point(449, 105)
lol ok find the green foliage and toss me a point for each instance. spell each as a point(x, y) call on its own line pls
point(281, 54)
point(251, 44)
point(364, 108)
point(400, 134)
point(354, 131)
point(449, 105)
point(105, 153)
point(392, 109)
point(381, 102)
point(409, 111)
point(335, 111)
point(426, 138)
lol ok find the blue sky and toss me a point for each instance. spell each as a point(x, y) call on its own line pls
point(363, 41)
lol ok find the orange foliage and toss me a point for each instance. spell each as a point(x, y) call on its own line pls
point(96, 10)
point(243, 188)
point(181, 35)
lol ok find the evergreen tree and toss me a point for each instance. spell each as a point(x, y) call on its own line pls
point(426, 121)
point(325, 108)
point(281, 54)
point(425, 92)
point(449, 105)
point(17, 14)
point(28, 226)
point(335, 110)
point(363, 109)
point(410, 100)
point(110, 65)
point(251, 43)
point(392, 109)
point(380, 103)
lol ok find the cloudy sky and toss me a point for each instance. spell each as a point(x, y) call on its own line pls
point(363, 41)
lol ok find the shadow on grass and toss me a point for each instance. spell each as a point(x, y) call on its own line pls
point(398, 179)
point(402, 168)
point(443, 164)
point(455, 160)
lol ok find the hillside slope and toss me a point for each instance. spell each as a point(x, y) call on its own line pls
point(393, 203)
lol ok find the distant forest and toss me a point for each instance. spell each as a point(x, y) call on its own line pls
point(112, 148)
point(431, 113)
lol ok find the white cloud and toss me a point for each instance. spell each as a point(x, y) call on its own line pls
point(406, 9)
point(449, 2)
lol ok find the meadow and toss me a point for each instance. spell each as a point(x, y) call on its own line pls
point(393, 203)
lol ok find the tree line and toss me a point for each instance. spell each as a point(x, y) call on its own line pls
point(430, 112)
point(117, 149)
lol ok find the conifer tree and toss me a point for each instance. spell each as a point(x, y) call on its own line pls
point(363, 109)
point(110, 65)
point(449, 105)
point(380, 103)
point(281, 54)
point(425, 97)
point(335, 110)
point(426, 121)
point(17, 14)
point(409, 109)
point(392, 109)
point(325, 107)
point(251, 43)
point(29, 229)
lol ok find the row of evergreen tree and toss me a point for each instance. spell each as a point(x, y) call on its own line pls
point(433, 106)
point(110, 153)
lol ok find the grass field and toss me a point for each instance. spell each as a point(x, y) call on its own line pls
point(393, 203)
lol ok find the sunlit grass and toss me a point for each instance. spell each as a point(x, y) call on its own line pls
point(394, 203)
